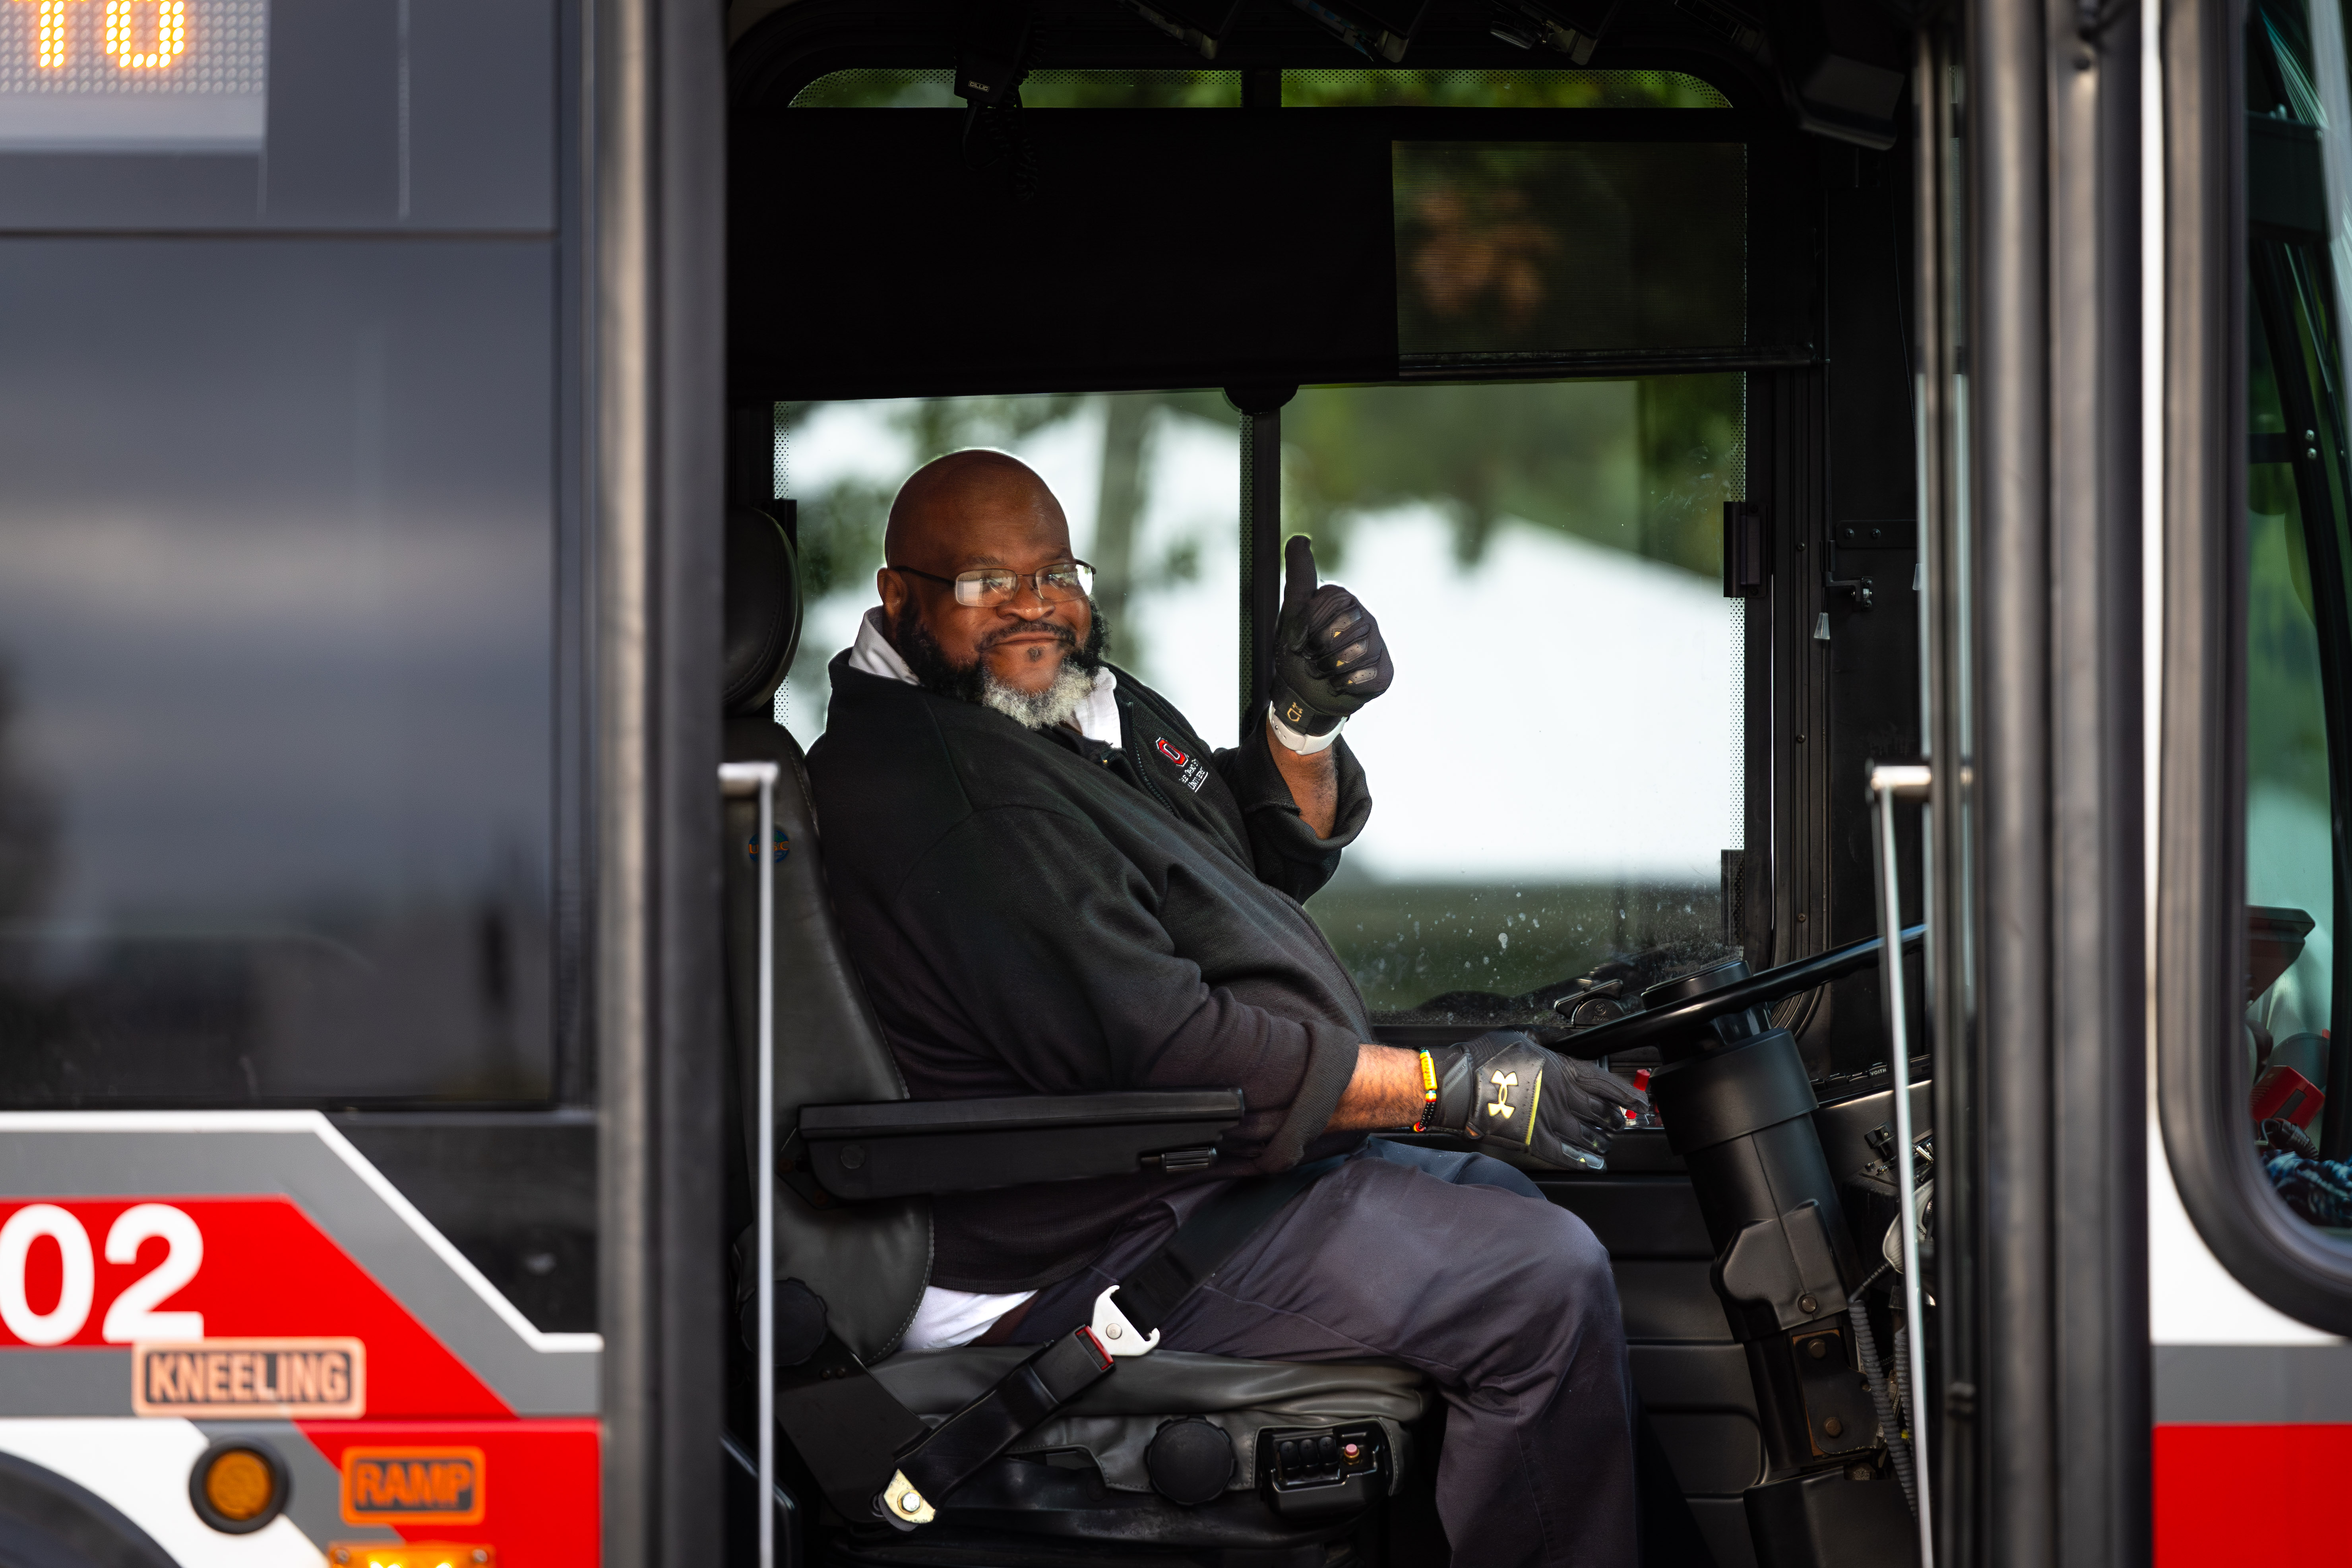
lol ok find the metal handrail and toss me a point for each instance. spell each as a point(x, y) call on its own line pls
point(1888, 784)
point(737, 780)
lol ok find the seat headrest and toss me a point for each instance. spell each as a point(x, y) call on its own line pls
point(763, 610)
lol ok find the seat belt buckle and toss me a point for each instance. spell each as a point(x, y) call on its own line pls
point(1116, 1334)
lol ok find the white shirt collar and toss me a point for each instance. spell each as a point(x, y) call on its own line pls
point(872, 654)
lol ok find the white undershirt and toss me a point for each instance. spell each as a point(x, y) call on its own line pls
point(946, 1319)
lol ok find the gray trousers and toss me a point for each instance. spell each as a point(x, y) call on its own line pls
point(1455, 1264)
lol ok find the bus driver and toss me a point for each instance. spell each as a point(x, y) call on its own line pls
point(1051, 888)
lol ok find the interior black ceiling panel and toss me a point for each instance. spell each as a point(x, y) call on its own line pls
point(877, 252)
point(874, 250)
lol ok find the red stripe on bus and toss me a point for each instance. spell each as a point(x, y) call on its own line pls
point(2254, 1495)
point(268, 1272)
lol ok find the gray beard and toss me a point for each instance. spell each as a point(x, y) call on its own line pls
point(1057, 704)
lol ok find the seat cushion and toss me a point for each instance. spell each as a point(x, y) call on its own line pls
point(1114, 1422)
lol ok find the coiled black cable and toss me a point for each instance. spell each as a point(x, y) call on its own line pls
point(1866, 1346)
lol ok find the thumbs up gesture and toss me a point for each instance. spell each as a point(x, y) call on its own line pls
point(1329, 656)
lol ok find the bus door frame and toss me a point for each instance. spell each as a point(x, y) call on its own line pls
point(656, 308)
point(2029, 249)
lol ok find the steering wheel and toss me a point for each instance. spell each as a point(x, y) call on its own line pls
point(1682, 1007)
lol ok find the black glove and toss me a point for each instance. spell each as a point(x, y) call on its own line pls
point(1328, 658)
point(1554, 1109)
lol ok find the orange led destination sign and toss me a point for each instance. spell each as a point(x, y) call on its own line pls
point(141, 35)
point(131, 75)
point(325, 1378)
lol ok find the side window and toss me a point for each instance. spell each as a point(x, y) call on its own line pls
point(278, 689)
point(290, 719)
point(2298, 650)
point(1150, 481)
point(1557, 771)
point(2290, 870)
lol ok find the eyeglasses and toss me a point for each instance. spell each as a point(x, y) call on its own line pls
point(986, 588)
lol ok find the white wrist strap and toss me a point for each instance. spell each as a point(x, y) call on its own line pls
point(1305, 746)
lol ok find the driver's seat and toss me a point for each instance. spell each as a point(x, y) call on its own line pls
point(1208, 1460)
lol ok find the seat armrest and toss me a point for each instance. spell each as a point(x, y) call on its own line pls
point(901, 1147)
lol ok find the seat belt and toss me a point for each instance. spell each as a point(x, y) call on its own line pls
point(934, 1464)
point(1202, 1245)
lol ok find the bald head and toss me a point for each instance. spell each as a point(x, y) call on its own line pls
point(967, 500)
point(971, 509)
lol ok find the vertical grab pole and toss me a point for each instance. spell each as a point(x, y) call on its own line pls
point(1888, 784)
point(741, 779)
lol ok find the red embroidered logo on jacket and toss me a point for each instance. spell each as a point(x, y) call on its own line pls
point(1190, 773)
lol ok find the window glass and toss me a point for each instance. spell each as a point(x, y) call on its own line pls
point(1498, 90)
point(1557, 771)
point(872, 87)
point(1504, 250)
point(1152, 484)
point(276, 576)
point(2287, 830)
point(867, 87)
point(2299, 638)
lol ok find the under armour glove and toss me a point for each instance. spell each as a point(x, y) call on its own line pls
point(1503, 1086)
point(1329, 657)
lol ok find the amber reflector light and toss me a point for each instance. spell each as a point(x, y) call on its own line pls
point(238, 1483)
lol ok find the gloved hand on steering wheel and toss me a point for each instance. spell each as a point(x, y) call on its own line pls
point(1329, 658)
point(1502, 1085)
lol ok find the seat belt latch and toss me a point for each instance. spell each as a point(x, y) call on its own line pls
point(903, 1504)
point(1116, 1334)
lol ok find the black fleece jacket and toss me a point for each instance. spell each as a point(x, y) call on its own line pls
point(1037, 913)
